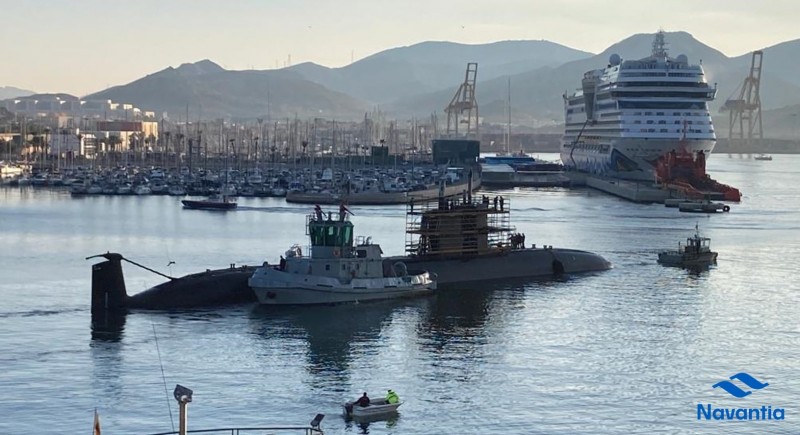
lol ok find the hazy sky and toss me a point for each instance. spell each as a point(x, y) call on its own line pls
point(82, 46)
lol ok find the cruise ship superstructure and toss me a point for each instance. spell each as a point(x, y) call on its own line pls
point(629, 114)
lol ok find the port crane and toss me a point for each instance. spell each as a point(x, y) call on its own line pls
point(463, 108)
point(744, 126)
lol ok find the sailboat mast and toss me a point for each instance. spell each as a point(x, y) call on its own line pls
point(508, 125)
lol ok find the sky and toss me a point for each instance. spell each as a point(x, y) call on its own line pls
point(83, 46)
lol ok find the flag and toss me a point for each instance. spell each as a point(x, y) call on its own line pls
point(96, 427)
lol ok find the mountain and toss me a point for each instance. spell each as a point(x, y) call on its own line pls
point(421, 79)
point(430, 66)
point(218, 93)
point(536, 94)
point(12, 92)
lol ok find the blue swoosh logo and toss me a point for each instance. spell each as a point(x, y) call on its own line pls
point(732, 389)
point(744, 378)
point(750, 381)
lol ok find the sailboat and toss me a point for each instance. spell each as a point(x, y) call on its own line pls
point(219, 201)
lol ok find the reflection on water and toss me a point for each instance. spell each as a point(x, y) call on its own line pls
point(329, 332)
point(108, 326)
point(363, 424)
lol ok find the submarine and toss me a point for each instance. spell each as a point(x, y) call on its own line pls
point(463, 239)
point(203, 289)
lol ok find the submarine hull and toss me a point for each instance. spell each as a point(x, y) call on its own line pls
point(518, 263)
point(209, 288)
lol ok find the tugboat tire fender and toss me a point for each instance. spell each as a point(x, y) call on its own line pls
point(726, 208)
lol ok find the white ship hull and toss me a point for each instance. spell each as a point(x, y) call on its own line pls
point(629, 114)
point(274, 287)
point(628, 158)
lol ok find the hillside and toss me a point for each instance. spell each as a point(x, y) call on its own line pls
point(213, 92)
point(12, 92)
point(421, 79)
point(430, 66)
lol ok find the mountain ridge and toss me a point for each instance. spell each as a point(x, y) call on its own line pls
point(420, 79)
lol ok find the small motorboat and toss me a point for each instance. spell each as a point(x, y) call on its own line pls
point(763, 157)
point(376, 408)
point(215, 202)
point(696, 253)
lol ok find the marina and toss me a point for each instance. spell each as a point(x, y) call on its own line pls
point(495, 339)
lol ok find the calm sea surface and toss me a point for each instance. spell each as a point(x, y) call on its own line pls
point(629, 351)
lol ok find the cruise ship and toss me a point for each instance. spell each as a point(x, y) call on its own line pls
point(629, 114)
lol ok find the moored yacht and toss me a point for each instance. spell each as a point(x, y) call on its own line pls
point(625, 117)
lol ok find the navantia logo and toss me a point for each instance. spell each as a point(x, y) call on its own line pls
point(734, 390)
point(763, 412)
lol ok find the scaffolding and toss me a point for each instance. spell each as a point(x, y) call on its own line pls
point(460, 225)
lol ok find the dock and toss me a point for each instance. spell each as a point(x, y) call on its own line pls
point(636, 191)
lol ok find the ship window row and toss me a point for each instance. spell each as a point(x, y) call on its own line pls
point(607, 106)
point(589, 147)
point(653, 64)
point(576, 101)
point(643, 74)
point(607, 114)
point(576, 110)
point(673, 113)
point(656, 94)
point(650, 121)
point(656, 84)
point(662, 105)
point(666, 130)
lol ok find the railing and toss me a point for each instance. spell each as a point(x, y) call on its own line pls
point(305, 430)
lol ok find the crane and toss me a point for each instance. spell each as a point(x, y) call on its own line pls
point(463, 108)
point(745, 111)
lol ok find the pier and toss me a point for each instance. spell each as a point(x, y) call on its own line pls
point(636, 191)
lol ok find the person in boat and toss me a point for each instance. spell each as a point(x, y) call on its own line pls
point(282, 264)
point(392, 397)
point(363, 401)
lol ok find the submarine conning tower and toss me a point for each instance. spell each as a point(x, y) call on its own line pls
point(460, 225)
point(108, 284)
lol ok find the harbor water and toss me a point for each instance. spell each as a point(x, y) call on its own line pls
point(632, 350)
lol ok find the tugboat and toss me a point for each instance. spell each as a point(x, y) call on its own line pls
point(696, 253)
point(337, 269)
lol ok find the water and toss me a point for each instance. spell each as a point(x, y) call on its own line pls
point(629, 351)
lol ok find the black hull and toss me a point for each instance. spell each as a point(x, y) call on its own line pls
point(208, 205)
point(210, 288)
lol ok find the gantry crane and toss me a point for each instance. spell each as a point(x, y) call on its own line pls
point(745, 112)
point(463, 108)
